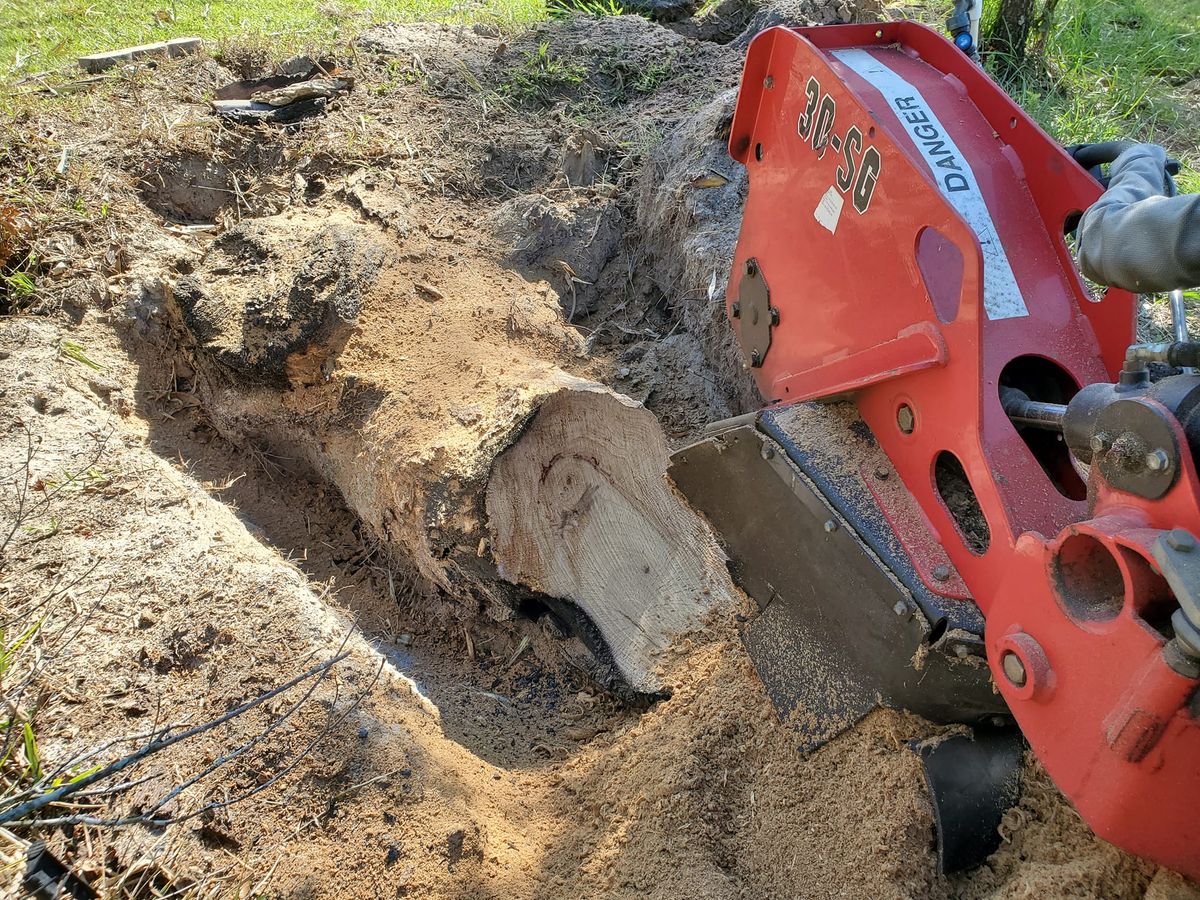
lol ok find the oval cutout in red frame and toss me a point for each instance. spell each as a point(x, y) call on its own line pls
point(941, 266)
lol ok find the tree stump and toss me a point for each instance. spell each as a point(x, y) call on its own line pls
point(435, 400)
point(579, 509)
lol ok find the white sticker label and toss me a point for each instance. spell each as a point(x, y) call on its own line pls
point(829, 209)
point(1001, 296)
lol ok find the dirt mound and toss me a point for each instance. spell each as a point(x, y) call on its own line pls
point(254, 413)
point(280, 331)
point(712, 782)
point(693, 197)
point(569, 241)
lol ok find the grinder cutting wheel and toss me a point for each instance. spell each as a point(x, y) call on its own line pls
point(966, 495)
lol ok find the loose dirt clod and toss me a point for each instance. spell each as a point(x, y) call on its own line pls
point(288, 330)
point(567, 244)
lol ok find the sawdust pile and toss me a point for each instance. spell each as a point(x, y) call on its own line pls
point(453, 754)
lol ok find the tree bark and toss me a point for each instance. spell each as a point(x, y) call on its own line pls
point(1009, 34)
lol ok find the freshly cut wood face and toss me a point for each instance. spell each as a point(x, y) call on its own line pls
point(580, 508)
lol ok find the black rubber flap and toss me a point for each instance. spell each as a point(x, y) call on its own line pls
point(48, 879)
point(972, 782)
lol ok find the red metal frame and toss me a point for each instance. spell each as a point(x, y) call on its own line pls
point(1105, 714)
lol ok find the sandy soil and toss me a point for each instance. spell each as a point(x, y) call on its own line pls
point(494, 777)
point(183, 569)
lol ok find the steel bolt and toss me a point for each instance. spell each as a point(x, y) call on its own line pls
point(830, 526)
point(769, 82)
point(900, 609)
point(751, 268)
point(962, 651)
point(1014, 669)
point(941, 573)
point(774, 315)
point(755, 358)
point(736, 310)
point(905, 420)
point(767, 452)
point(1178, 539)
point(1100, 442)
point(881, 473)
point(1157, 460)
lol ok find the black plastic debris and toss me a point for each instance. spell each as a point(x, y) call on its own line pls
point(281, 99)
point(251, 112)
point(48, 879)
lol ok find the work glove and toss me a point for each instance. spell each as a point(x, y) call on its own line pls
point(1094, 157)
point(1138, 236)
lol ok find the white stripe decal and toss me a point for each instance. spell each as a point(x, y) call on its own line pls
point(1001, 296)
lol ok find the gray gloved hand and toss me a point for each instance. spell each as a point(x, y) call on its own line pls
point(1136, 238)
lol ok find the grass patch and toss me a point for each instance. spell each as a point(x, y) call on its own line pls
point(1109, 69)
point(562, 8)
point(628, 77)
point(37, 35)
point(543, 76)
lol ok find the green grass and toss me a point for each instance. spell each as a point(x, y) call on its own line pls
point(1113, 69)
point(543, 76)
point(36, 35)
point(1109, 69)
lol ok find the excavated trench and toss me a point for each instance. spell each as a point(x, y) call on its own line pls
point(501, 689)
point(294, 300)
point(280, 255)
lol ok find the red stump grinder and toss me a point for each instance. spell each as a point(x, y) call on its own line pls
point(971, 494)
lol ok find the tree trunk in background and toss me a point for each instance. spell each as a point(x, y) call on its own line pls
point(1045, 22)
point(1009, 34)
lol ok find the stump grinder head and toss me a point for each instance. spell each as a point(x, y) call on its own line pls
point(965, 496)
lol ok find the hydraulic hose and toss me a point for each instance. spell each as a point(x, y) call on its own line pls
point(1183, 354)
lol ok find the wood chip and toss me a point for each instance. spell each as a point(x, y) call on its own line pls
point(306, 90)
point(428, 290)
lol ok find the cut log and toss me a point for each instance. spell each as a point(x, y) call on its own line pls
point(579, 509)
point(98, 62)
point(434, 398)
